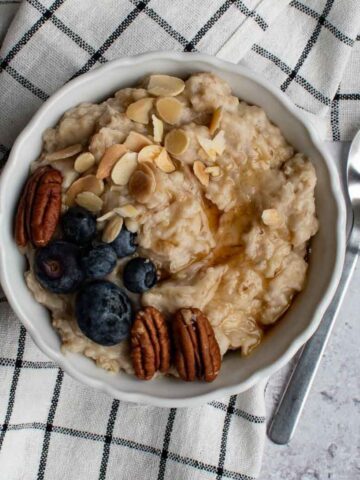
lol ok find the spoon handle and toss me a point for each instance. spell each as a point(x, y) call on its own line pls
point(286, 417)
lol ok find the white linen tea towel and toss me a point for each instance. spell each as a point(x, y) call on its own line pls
point(51, 427)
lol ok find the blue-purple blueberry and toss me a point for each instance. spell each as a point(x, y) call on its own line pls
point(139, 275)
point(103, 312)
point(57, 267)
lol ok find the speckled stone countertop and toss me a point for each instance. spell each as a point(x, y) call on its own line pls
point(326, 444)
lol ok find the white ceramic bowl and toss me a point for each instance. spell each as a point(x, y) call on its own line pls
point(286, 337)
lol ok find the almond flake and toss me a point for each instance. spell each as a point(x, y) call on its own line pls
point(108, 160)
point(164, 162)
point(149, 153)
point(158, 128)
point(136, 141)
point(165, 85)
point(142, 184)
point(112, 229)
point(139, 110)
point(208, 147)
point(219, 142)
point(215, 121)
point(213, 147)
point(83, 162)
point(132, 225)
point(213, 171)
point(124, 168)
point(177, 141)
point(64, 153)
point(199, 171)
point(89, 183)
point(127, 211)
point(148, 167)
point(90, 201)
point(271, 217)
point(169, 109)
point(106, 216)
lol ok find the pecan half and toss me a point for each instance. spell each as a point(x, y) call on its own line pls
point(197, 353)
point(150, 343)
point(39, 208)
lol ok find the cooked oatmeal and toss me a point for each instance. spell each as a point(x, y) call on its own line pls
point(225, 212)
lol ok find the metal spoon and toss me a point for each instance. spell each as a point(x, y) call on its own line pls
point(286, 417)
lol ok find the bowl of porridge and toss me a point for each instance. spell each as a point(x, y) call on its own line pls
point(171, 229)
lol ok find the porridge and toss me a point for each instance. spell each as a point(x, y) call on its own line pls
point(165, 226)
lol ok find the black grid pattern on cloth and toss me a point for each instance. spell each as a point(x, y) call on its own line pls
point(80, 42)
point(287, 70)
point(238, 412)
point(309, 45)
point(190, 47)
point(251, 14)
point(108, 439)
point(11, 362)
point(46, 15)
point(166, 443)
point(224, 436)
point(325, 22)
point(14, 384)
point(49, 425)
point(139, 7)
point(334, 118)
point(132, 445)
point(150, 12)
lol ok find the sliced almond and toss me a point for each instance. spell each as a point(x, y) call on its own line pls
point(127, 211)
point(213, 171)
point(208, 147)
point(149, 153)
point(89, 183)
point(124, 168)
point(219, 142)
point(158, 128)
point(215, 120)
point(164, 162)
point(147, 167)
point(106, 216)
point(139, 110)
point(136, 141)
point(213, 147)
point(131, 224)
point(165, 85)
point(199, 171)
point(177, 141)
point(90, 201)
point(64, 153)
point(108, 160)
point(112, 229)
point(271, 217)
point(83, 162)
point(169, 109)
point(142, 184)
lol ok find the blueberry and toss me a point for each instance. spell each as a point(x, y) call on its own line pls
point(139, 275)
point(57, 267)
point(79, 225)
point(103, 312)
point(98, 261)
point(125, 243)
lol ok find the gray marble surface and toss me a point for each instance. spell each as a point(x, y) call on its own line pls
point(326, 444)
